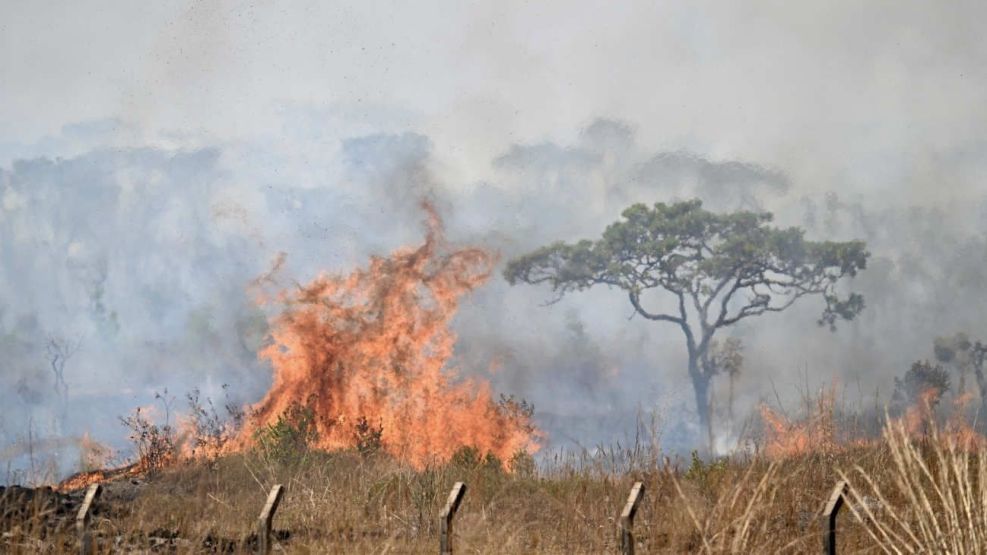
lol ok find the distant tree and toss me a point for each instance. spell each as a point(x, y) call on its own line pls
point(727, 357)
point(955, 351)
point(58, 351)
point(924, 382)
point(965, 355)
point(718, 268)
point(978, 351)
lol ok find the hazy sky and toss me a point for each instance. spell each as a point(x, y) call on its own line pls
point(848, 94)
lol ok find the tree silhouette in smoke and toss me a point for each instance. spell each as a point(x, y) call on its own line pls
point(719, 268)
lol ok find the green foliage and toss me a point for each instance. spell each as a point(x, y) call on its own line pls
point(470, 459)
point(692, 252)
point(706, 475)
point(288, 439)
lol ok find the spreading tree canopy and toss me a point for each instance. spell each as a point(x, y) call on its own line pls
point(718, 268)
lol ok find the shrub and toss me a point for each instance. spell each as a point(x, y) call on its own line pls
point(155, 445)
point(521, 464)
point(470, 458)
point(367, 437)
point(288, 439)
point(210, 432)
point(705, 474)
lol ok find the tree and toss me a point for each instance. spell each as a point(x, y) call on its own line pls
point(956, 351)
point(922, 388)
point(924, 382)
point(59, 350)
point(718, 268)
point(978, 352)
point(727, 357)
point(965, 354)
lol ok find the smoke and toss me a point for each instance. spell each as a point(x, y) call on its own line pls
point(144, 256)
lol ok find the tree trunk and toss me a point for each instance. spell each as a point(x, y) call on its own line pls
point(978, 373)
point(982, 415)
point(700, 386)
point(730, 398)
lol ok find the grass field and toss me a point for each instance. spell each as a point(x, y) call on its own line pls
point(907, 494)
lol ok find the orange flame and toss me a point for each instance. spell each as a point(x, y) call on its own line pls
point(83, 480)
point(920, 421)
point(815, 434)
point(375, 344)
point(921, 413)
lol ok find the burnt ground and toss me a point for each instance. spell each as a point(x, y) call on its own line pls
point(43, 519)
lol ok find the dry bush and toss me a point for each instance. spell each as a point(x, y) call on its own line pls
point(155, 445)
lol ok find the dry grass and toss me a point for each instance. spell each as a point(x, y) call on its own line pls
point(906, 496)
point(342, 503)
point(939, 481)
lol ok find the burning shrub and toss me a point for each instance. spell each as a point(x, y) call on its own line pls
point(367, 437)
point(922, 383)
point(470, 458)
point(155, 445)
point(210, 432)
point(521, 464)
point(288, 439)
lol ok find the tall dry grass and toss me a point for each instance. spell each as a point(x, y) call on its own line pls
point(933, 499)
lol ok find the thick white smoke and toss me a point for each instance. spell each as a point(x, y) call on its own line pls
point(153, 161)
point(143, 257)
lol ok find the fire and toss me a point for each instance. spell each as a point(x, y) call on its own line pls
point(374, 346)
point(815, 434)
point(920, 421)
point(83, 480)
point(818, 433)
point(920, 416)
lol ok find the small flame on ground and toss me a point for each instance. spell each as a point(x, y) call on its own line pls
point(83, 480)
point(785, 438)
point(817, 432)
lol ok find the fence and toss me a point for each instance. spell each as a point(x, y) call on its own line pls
point(448, 515)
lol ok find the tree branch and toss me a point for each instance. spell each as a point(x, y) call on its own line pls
point(636, 302)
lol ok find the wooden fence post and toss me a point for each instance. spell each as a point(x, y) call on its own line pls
point(830, 513)
point(627, 519)
point(266, 518)
point(83, 517)
point(445, 518)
